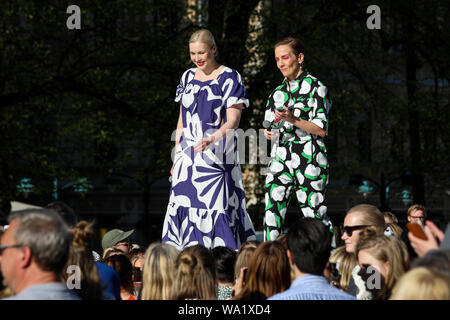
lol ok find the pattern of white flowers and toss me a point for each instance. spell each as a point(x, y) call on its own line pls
point(207, 203)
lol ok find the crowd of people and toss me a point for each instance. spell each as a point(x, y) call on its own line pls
point(45, 255)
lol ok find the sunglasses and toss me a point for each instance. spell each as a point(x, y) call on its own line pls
point(7, 246)
point(349, 229)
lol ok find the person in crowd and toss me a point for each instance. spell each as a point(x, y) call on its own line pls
point(137, 261)
point(267, 274)
point(110, 281)
point(243, 256)
point(357, 219)
point(298, 109)
point(80, 258)
point(136, 251)
point(207, 192)
point(416, 213)
point(66, 212)
point(383, 260)
point(69, 215)
point(4, 290)
point(309, 246)
point(33, 252)
point(224, 259)
point(159, 272)
point(422, 284)
point(117, 239)
point(195, 275)
point(392, 227)
point(340, 266)
point(438, 259)
point(122, 265)
point(110, 252)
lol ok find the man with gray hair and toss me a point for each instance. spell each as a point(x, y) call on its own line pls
point(33, 251)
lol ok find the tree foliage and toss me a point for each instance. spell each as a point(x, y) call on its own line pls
point(99, 101)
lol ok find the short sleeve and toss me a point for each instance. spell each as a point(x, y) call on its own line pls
point(181, 86)
point(234, 90)
point(321, 103)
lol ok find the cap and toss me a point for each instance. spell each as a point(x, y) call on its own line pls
point(114, 236)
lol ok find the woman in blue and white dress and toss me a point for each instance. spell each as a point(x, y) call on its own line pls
point(207, 203)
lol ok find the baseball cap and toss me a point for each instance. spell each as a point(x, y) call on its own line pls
point(114, 236)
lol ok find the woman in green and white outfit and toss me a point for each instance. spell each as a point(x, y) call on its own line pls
point(298, 113)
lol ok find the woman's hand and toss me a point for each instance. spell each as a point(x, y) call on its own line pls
point(286, 115)
point(203, 144)
point(434, 235)
point(270, 135)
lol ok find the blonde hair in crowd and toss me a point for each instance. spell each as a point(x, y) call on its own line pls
point(370, 215)
point(159, 271)
point(346, 262)
point(386, 249)
point(415, 207)
point(195, 275)
point(422, 284)
point(244, 255)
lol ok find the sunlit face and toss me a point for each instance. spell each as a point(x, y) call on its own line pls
point(10, 257)
point(139, 263)
point(288, 63)
point(365, 259)
point(202, 54)
point(417, 216)
point(124, 245)
point(351, 239)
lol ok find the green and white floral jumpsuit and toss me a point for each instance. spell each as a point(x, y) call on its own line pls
point(299, 159)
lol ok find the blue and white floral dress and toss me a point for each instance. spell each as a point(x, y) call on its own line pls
point(207, 203)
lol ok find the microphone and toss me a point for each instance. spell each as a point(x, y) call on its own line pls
point(267, 125)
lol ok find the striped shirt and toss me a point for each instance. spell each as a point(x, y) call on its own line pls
point(312, 287)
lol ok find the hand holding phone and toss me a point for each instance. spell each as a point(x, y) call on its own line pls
point(417, 230)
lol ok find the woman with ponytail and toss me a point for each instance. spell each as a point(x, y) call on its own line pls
point(195, 276)
point(81, 260)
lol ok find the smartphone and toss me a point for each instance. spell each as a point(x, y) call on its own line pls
point(417, 230)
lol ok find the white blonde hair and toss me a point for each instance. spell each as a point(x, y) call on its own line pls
point(203, 35)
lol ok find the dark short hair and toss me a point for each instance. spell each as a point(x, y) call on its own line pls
point(309, 240)
point(64, 211)
point(122, 264)
point(224, 259)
